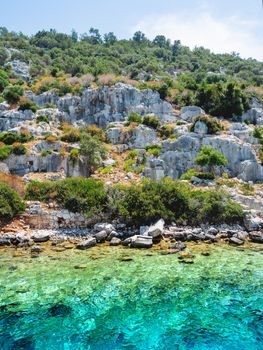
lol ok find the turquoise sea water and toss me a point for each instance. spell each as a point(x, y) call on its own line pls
point(94, 300)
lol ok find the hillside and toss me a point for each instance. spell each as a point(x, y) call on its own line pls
point(123, 111)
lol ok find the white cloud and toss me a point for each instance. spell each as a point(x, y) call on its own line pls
point(201, 28)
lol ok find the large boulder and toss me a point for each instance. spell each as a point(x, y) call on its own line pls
point(243, 132)
point(115, 241)
point(256, 237)
point(252, 222)
point(108, 228)
point(253, 116)
point(200, 128)
point(142, 136)
point(116, 135)
point(88, 243)
point(101, 236)
point(156, 230)
point(141, 242)
point(189, 113)
point(42, 236)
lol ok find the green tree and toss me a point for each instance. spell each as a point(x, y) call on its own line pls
point(139, 37)
point(3, 80)
point(210, 157)
point(3, 56)
point(110, 38)
point(74, 35)
point(10, 203)
point(12, 93)
point(161, 41)
point(93, 149)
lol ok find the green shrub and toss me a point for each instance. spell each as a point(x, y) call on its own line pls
point(12, 93)
point(247, 189)
point(19, 149)
point(24, 136)
point(74, 155)
point(258, 133)
point(8, 138)
point(132, 154)
point(10, 203)
point(154, 150)
point(5, 152)
point(214, 207)
point(180, 122)
point(166, 131)
point(105, 170)
point(72, 135)
point(210, 157)
point(28, 105)
point(212, 124)
point(75, 194)
point(50, 105)
point(42, 118)
point(46, 152)
point(222, 99)
point(128, 165)
point(139, 204)
point(152, 121)
point(135, 118)
point(93, 130)
point(192, 172)
point(163, 91)
point(11, 137)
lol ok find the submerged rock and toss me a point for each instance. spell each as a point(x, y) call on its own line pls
point(39, 237)
point(178, 246)
point(235, 241)
point(101, 236)
point(88, 243)
point(256, 237)
point(115, 241)
point(141, 242)
point(36, 249)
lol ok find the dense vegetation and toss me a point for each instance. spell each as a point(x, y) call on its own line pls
point(140, 204)
point(11, 203)
point(223, 84)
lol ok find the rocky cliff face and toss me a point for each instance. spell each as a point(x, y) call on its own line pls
point(179, 156)
point(32, 163)
point(106, 104)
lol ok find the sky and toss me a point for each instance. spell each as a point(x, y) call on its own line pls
point(219, 25)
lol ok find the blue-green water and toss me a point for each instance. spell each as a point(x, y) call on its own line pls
point(150, 302)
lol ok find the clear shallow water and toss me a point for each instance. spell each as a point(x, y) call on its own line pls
point(151, 302)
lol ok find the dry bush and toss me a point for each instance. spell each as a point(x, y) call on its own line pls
point(66, 126)
point(74, 81)
point(86, 80)
point(51, 138)
point(106, 79)
point(16, 182)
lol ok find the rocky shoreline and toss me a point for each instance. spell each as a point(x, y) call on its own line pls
point(175, 237)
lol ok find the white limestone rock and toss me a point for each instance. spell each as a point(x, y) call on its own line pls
point(189, 113)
